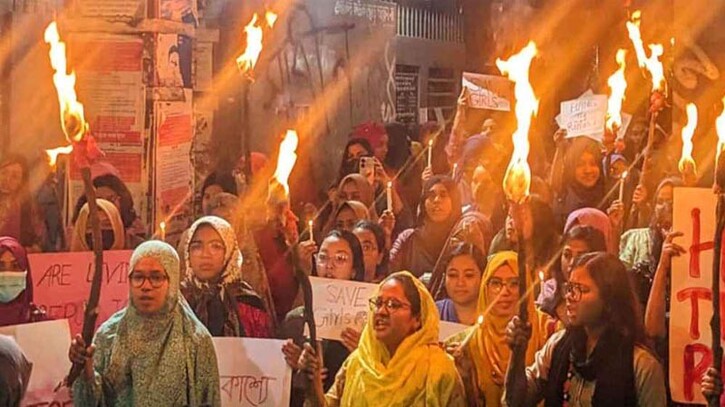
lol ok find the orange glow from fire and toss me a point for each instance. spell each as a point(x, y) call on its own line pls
point(55, 152)
point(687, 132)
point(248, 60)
point(71, 110)
point(618, 85)
point(651, 63)
point(287, 159)
point(517, 180)
point(720, 126)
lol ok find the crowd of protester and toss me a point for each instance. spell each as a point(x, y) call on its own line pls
point(444, 249)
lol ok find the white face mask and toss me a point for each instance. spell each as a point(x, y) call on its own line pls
point(12, 283)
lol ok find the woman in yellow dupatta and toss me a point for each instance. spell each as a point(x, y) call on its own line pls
point(498, 303)
point(399, 362)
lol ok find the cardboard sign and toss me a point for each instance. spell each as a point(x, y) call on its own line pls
point(45, 345)
point(253, 372)
point(339, 304)
point(62, 282)
point(489, 92)
point(585, 116)
point(691, 295)
point(448, 329)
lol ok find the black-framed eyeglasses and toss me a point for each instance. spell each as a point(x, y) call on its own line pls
point(575, 290)
point(156, 280)
point(496, 284)
point(390, 304)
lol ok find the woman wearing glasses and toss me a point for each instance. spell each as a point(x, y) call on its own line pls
point(213, 284)
point(341, 258)
point(483, 361)
point(154, 352)
point(601, 358)
point(399, 361)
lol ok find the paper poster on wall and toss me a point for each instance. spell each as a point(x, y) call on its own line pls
point(178, 10)
point(690, 339)
point(110, 84)
point(339, 304)
point(489, 91)
point(173, 60)
point(173, 194)
point(253, 372)
point(62, 282)
point(45, 345)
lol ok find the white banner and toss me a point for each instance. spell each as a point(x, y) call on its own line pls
point(489, 91)
point(584, 116)
point(253, 372)
point(45, 345)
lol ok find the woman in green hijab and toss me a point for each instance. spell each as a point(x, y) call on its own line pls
point(154, 352)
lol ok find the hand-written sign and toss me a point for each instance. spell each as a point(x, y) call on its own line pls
point(62, 282)
point(585, 116)
point(253, 372)
point(45, 345)
point(691, 294)
point(489, 91)
point(339, 304)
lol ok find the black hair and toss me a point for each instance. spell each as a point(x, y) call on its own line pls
point(398, 145)
point(379, 233)
point(466, 249)
point(616, 291)
point(594, 239)
point(349, 166)
point(173, 49)
point(452, 188)
point(27, 232)
point(224, 179)
point(358, 262)
point(410, 291)
point(126, 209)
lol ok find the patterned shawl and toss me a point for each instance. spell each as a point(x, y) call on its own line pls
point(166, 359)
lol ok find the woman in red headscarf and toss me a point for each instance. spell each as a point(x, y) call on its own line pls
point(16, 285)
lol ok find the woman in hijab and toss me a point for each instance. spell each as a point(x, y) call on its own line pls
point(213, 285)
point(347, 215)
point(154, 352)
point(20, 217)
point(14, 372)
point(113, 235)
point(419, 249)
point(498, 302)
point(399, 361)
point(355, 187)
point(16, 286)
point(598, 220)
point(582, 183)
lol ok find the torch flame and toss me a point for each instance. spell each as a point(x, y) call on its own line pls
point(720, 126)
point(271, 18)
point(54, 153)
point(651, 63)
point(287, 159)
point(71, 111)
point(687, 132)
point(518, 174)
point(618, 84)
point(248, 59)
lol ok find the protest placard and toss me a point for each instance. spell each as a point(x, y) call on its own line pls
point(62, 282)
point(690, 340)
point(489, 91)
point(339, 304)
point(448, 329)
point(585, 116)
point(253, 372)
point(49, 357)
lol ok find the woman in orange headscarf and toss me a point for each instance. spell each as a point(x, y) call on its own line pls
point(498, 302)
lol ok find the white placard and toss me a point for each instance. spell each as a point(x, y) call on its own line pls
point(253, 372)
point(339, 304)
point(488, 91)
point(45, 345)
point(584, 116)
